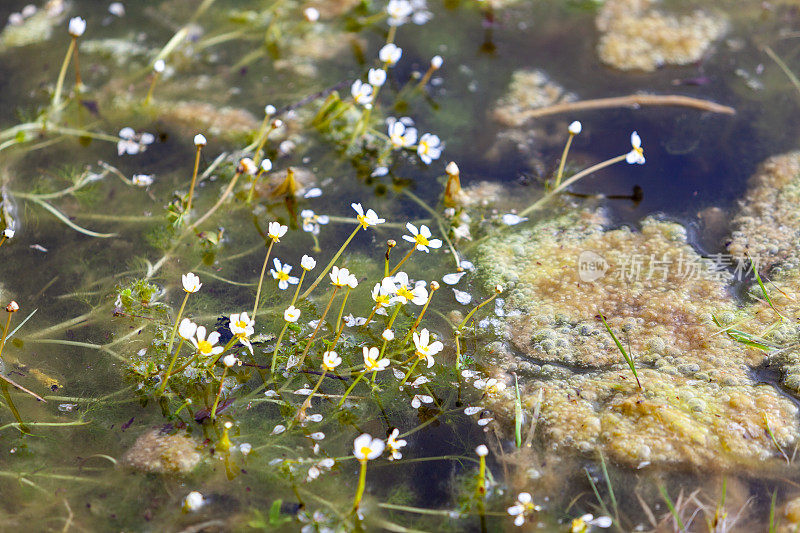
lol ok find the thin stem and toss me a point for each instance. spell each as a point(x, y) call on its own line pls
point(362, 482)
point(3, 239)
point(481, 476)
point(77, 67)
point(221, 200)
point(261, 278)
point(194, 178)
point(351, 387)
point(563, 159)
point(285, 325)
point(301, 413)
point(403, 260)
point(150, 89)
point(421, 314)
point(219, 393)
point(163, 386)
point(5, 334)
point(410, 370)
point(466, 319)
point(582, 174)
point(339, 318)
point(177, 320)
point(316, 330)
point(330, 264)
point(63, 73)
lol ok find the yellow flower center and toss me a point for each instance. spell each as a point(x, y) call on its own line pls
point(405, 293)
point(241, 324)
point(363, 221)
point(204, 347)
point(421, 239)
point(283, 276)
point(365, 450)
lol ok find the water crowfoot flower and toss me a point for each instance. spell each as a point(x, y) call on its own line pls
point(370, 218)
point(132, 143)
point(429, 148)
point(242, 328)
point(417, 295)
point(401, 132)
point(365, 448)
point(584, 523)
point(425, 349)
point(206, 346)
point(281, 273)
point(330, 360)
point(307, 263)
point(398, 11)
point(636, 155)
point(376, 77)
point(421, 238)
point(191, 282)
point(393, 445)
point(372, 363)
point(193, 501)
point(291, 314)
point(523, 508)
point(275, 230)
point(390, 54)
point(312, 221)
point(362, 93)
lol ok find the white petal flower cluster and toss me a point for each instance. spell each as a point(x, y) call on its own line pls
point(402, 134)
point(429, 148)
point(133, 143)
point(341, 277)
point(421, 238)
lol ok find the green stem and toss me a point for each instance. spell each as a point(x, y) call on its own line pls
point(403, 260)
point(362, 482)
point(177, 320)
point(5, 334)
point(330, 264)
point(419, 318)
point(150, 89)
point(582, 174)
point(410, 370)
point(63, 73)
point(194, 178)
point(316, 330)
point(219, 393)
point(351, 387)
point(563, 160)
point(171, 363)
point(261, 279)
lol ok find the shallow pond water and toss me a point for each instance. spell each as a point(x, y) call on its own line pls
point(95, 263)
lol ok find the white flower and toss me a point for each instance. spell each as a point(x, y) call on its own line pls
point(371, 361)
point(366, 448)
point(637, 154)
point(193, 501)
point(384, 294)
point(230, 360)
point(311, 14)
point(191, 283)
point(436, 62)
point(245, 448)
point(132, 143)
point(307, 263)
point(205, 346)
point(421, 238)
point(200, 140)
point(522, 507)
point(429, 148)
point(401, 135)
point(276, 230)
point(417, 295)
point(77, 26)
point(425, 348)
point(242, 327)
point(350, 320)
point(393, 444)
point(376, 77)
point(312, 221)
point(342, 277)
point(247, 166)
point(421, 14)
point(330, 360)
point(362, 92)
point(281, 273)
point(187, 329)
point(142, 180)
point(511, 219)
point(390, 54)
point(388, 335)
point(8, 233)
point(482, 450)
point(270, 110)
point(368, 219)
point(159, 66)
point(581, 525)
point(490, 386)
point(291, 314)
point(574, 129)
point(398, 11)
point(266, 165)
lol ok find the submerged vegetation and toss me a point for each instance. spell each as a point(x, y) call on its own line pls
point(303, 319)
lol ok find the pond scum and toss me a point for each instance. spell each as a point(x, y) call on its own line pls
point(312, 394)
